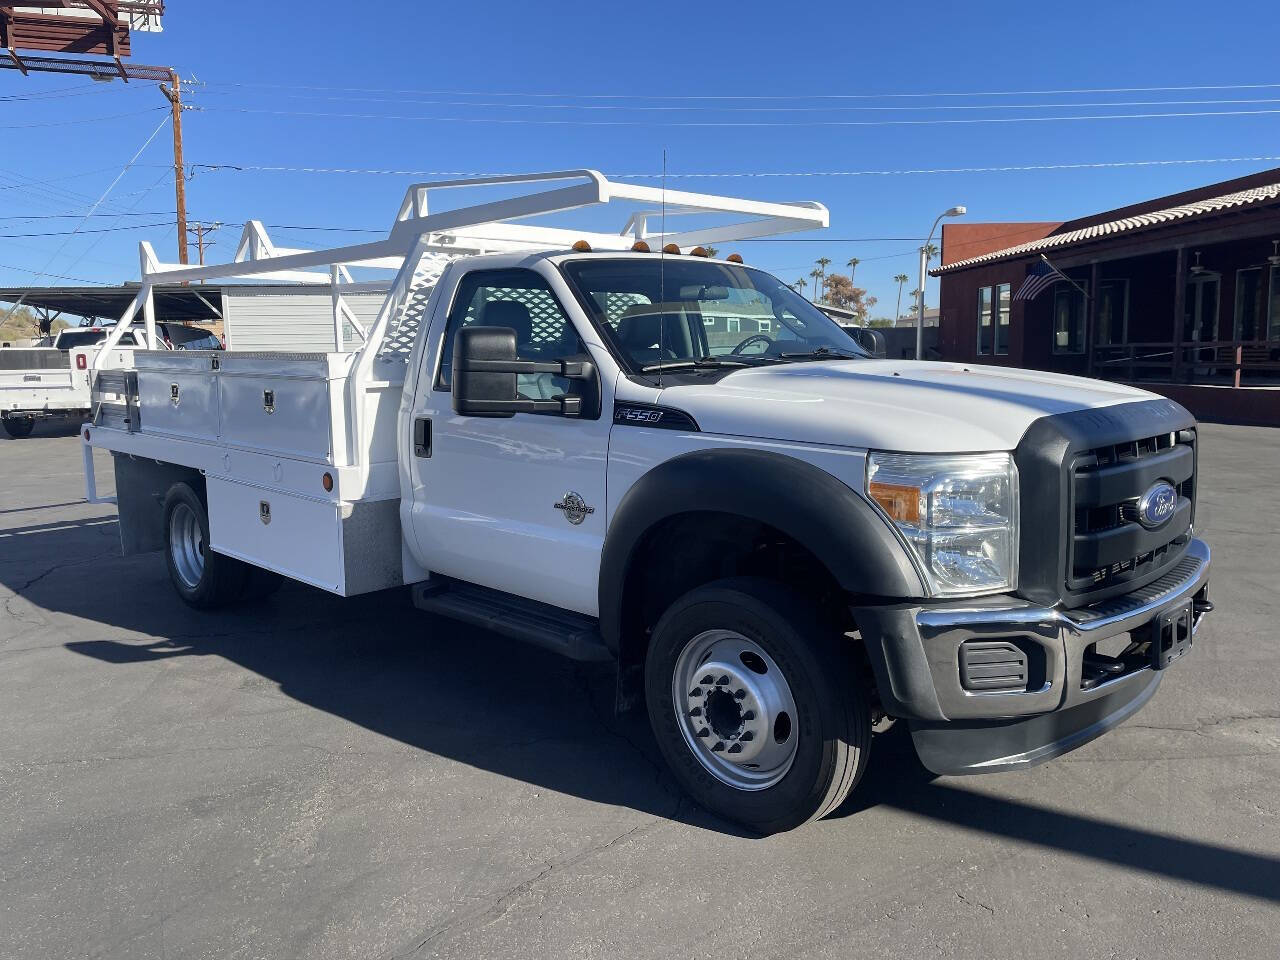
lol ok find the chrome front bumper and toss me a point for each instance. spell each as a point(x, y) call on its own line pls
point(915, 653)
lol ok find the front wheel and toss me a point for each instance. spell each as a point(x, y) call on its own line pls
point(755, 705)
point(19, 427)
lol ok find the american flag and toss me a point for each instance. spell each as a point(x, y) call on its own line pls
point(1044, 274)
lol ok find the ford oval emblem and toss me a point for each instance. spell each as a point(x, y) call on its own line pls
point(1157, 505)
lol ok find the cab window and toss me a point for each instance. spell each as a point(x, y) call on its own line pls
point(519, 299)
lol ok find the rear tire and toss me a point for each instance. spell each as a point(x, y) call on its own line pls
point(770, 687)
point(261, 583)
point(19, 428)
point(203, 579)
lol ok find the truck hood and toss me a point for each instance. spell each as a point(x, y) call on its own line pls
point(890, 404)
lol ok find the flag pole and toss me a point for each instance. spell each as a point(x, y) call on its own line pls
point(1083, 292)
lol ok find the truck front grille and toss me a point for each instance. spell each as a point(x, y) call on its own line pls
point(1108, 545)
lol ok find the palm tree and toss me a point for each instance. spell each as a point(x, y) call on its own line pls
point(799, 286)
point(900, 279)
point(712, 251)
point(930, 251)
point(817, 284)
point(853, 265)
point(822, 266)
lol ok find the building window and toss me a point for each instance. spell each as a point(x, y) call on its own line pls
point(1068, 317)
point(1113, 313)
point(1273, 311)
point(733, 325)
point(986, 334)
point(1250, 304)
point(764, 326)
point(1002, 319)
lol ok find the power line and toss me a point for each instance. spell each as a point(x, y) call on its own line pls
point(788, 109)
point(97, 203)
point(73, 216)
point(72, 233)
point(72, 123)
point(56, 276)
point(935, 121)
point(733, 97)
point(1005, 168)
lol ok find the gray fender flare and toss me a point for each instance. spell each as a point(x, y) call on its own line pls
point(805, 502)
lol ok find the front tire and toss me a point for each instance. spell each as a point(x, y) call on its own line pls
point(203, 579)
point(755, 704)
point(19, 428)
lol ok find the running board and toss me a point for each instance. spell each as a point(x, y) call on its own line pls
point(569, 634)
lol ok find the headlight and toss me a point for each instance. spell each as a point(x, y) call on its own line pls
point(959, 513)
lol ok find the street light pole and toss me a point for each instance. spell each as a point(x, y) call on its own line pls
point(924, 266)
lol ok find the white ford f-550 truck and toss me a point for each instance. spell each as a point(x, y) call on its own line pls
point(619, 448)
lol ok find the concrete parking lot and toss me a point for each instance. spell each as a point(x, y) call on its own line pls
point(317, 777)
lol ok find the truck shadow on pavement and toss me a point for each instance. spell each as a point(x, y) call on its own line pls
point(501, 706)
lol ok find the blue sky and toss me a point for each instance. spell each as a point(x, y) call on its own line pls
point(803, 89)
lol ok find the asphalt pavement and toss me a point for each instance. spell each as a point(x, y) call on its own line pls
point(318, 777)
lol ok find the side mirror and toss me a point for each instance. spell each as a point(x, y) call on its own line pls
point(485, 368)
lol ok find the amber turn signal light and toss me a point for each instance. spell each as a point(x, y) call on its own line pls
point(899, 501)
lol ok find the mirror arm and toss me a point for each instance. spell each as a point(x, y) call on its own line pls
point(569, 369)
point(565, 406)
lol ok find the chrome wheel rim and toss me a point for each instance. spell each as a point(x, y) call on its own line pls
point(735, 710)
point(186, 545)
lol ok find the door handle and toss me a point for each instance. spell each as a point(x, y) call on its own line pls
point(422, 437)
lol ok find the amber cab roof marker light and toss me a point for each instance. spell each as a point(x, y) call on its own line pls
point(734, 258)
point(581, 247)
point(699, 252)
point(640, 247)
point(671, 249)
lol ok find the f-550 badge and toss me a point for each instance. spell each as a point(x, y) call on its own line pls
point(574, 507)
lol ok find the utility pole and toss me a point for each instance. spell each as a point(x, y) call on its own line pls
point(173, 93)
point(200, 229)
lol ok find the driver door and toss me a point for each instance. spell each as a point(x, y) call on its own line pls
point(494, 498)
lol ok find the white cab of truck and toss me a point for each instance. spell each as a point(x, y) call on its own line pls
point(620, 448)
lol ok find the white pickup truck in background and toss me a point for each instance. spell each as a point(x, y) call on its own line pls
point(619, 448)
point(46, 383)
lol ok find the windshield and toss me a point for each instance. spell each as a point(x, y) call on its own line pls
point(69, 339)
point(689, 313)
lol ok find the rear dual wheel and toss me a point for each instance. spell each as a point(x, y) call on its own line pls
point(204, 578)
point(755, 704)
point(19, 427)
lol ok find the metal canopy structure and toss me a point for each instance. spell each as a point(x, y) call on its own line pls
point(175, 302)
